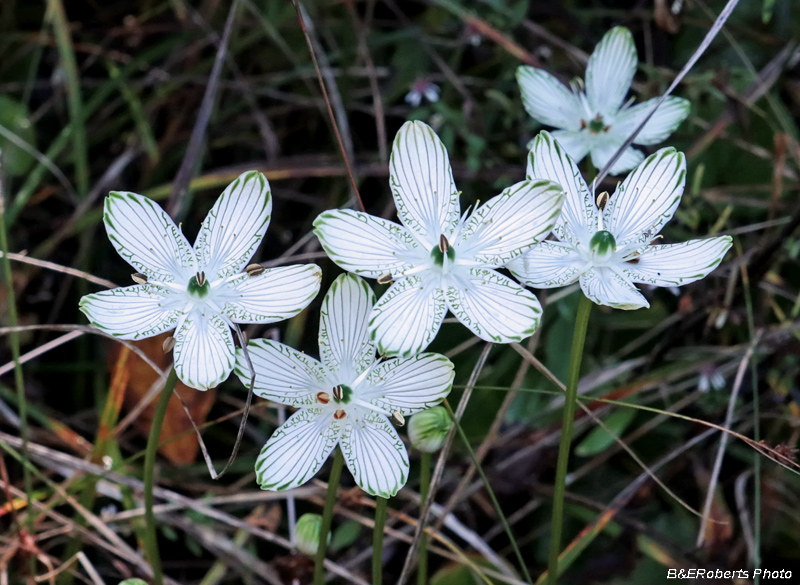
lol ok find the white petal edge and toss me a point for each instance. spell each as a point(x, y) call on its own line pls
point(406, 319)
point(235, 226)
point(660, 126)
point(283, 374)
point(548, 160)
point(547, 265)
point(422, 183)
point(647, 198)
point(147, 238)
point(510, 223)
point(297, 450)
point(374, 453)
point(492, 306)
point(366, 245)
point(132, 312)
point(605, 287)
point(410, 385)
point(678, 264)
point(547, 100)
point(610, 70)
point(344, 343)
point(204, 351)
point(274, 295)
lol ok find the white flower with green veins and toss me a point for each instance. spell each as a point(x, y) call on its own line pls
point(198, 291)
point(346, 399)
point(608, 249)
point(595, 121)
point(437, 259)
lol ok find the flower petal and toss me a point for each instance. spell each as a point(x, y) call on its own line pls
point(133, 312)
point(375, 454)
point(422, 183)
point(548, 100)
point(409, 385)
point(406, 319)
point(629, 158)
point(606, 287)
point(147, 238)
point(610, 70)
point(664, 122)
point(492, 306)
point(344, 343)
point(274, 295)
point(509, 224)
point(235, 226)
point(283, 374)
point(547, 265)
point(576, 143)
point(647, 198)
point(364, 244)
point(204, 352)
point(548, 160)
point(678, 264)
point(297, 450)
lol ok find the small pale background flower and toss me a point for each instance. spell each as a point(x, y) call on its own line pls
point(345, 399)
point(199, 291)
point(596, 121)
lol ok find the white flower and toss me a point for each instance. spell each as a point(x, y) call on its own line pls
point(198, 291)
point(347, 399)
point(596, 121)
point(438, 260)
point(610, 250)
point(710, 377)
point(422, 88)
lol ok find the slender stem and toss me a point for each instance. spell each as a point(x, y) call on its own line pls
point(523, 565)
point(327, 517)
point(575, 358)
point(424, 486)
point(149, 476)
point(377, 540)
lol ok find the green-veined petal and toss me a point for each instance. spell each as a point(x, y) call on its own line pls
point(409, 385)
point(678, 264)
point(204, 351)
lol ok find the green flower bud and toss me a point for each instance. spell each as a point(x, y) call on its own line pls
point(428, 429)
point(307, 533)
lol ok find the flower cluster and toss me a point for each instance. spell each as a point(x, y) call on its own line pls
point(435, 260)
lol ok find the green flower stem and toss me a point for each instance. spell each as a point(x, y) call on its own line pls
point(327, 517)
point(424, 487)
point(377, 540)
point(490, 491)
point(151, 542)
point(575, 358)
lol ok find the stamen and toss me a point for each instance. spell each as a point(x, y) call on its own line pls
point(139, 278)
point(398, 419)
point(338, 393)
point(323, 397)
point(602, 200)
point(584, 125)
point(201, 279)
point(168, 344)
point(254, 270)
point(385, 278)
point(339, 414)
point(444, 245)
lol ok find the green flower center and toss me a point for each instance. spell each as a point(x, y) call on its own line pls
point(438, 256)
point(197, 290)
point(602, 245)
point(596, 126)
point(342, 394)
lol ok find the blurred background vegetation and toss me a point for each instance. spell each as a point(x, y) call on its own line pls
point(96, 96)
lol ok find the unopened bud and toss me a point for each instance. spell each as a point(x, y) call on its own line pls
point(428, 429)
point(139, 278)
point(307, 532)
point(254, 270)
point(398, 419)
point(168, 344)
point(602, 200)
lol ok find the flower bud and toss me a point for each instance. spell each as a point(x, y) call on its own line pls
point(428, 429)
point(307, 533)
